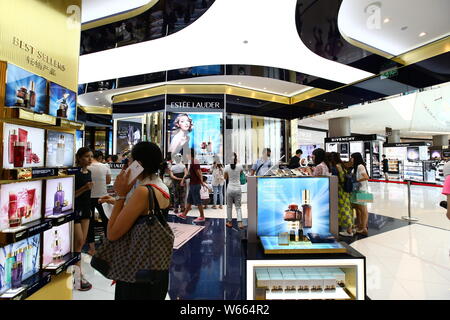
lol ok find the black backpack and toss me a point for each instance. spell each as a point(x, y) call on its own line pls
point(348, 182)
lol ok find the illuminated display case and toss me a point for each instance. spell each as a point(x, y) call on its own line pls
point(292, 251)
point(57, 245)
point(59, 197)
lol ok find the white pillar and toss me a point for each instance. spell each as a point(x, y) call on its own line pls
point(395, 137)
point(440, 140)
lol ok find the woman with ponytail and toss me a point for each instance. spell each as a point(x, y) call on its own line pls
point(234, 192)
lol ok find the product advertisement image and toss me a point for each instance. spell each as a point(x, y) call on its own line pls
point(23, 146)
point(59, 197)
point(18, 261)
point(60, 149)
point(57, 243)
point(25, 89)
point(20, 203)
point(63, 102)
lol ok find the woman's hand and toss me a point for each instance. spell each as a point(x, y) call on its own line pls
point(89, 185)
point(107, 199)
point(121, 185)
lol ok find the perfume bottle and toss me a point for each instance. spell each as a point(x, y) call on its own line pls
point(63, 106)
point(28, 153)
point(19, 154)
point(307, 209)
point(13, 138)
point(58, 199)
point(16, 275)
point(14, 220)
point(32, 96)
point(29, 258)
point(10, 260)
point(56, 246)
point(60, 152)
point(31, 197)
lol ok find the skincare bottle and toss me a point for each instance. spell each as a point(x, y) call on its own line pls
point(14, 220)
point(19, 154)
point(56, 246)
point(22, 204)
point(62, 109)
point(307, 209)
point(13, 138)
point(28, 153)
point(58, 199)
point(60, 152)
point(32, 94)
point(29, 258)
point(16, 275)
point(21, 96)
point(10, 260)
point(31, 197)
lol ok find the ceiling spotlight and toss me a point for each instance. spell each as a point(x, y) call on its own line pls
point(265, 88)
point(422, 34)
point(96, 98)
point(404, 28)
point(245, 41)
point(386, 20)
point(239, 82)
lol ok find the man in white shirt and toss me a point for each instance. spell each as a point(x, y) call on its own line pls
point(101, 177)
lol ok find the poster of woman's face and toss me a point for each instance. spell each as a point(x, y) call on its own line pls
point(200, 131)
point(128, 134)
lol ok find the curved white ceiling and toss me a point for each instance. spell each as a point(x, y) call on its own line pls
point(251, 32)
point(379, 24)
point(284, 88)
point(97, 9)
point(415, 115)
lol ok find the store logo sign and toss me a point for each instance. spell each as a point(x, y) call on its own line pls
point(195, 105)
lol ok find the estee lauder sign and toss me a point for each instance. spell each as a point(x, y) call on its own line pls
point(195, 104)
point(38, 54)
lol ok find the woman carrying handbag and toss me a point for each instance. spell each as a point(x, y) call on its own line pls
point(138, 250)
point(360, 196)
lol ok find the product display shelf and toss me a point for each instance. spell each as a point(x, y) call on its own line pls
point(63, 263)
point(29, 287)
point(36, 173)
point(338, 276)
point(12, 235)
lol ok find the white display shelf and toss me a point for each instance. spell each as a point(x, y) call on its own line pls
point(338, 294)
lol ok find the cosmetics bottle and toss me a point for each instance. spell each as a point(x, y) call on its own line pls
point(29, 258)
point(56, 246)
point(32, 93)
point(21, 96)
point(292, 235)
point(22, 204)
point(58, 199)
point(23, 135)
point(13, 138)
point(19, 154)
point(10, 260)
point(14, 220)
point(16, 275)
point(60, 152)
point(28, 153)
point(62, 109)
point(31, 197)
point(307, 209)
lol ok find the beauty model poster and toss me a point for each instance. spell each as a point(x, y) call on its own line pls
point(58, 196)
point(63, 102)
point(25, 89)
point(201, 131)
point(56, 245)
point(22, 146)
point(20, 203)
point(60, 149)
point(18, 262)
point(278, 198)
point(129, 133)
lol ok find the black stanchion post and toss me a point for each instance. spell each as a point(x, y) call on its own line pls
point(409, 218)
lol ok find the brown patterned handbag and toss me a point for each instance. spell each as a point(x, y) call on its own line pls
point(143, 253)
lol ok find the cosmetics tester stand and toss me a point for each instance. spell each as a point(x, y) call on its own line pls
point(22, 250)
point(299, 268)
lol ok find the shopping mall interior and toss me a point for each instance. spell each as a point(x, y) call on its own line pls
point(310, 137)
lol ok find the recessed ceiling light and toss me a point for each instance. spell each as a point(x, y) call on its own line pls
point(386, 20)
point(245, 41)
point(422, 34)
point(239, 82)
point(96, 98)
point(404, 28)
point(265, 88)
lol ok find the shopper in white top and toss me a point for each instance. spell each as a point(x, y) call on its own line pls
point(177, 173)
point(234, 192)
point(101, 177)
point(218, 182)
point(360, 172)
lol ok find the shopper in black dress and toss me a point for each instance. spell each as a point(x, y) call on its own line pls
point(83, 186)
point(124, 215)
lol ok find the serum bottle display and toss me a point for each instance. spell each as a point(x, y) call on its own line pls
point(13, 138)
point(32, 96)
point(307, 209)
point(62, 109)
point(60, 152)
point(59, 199)
point(56, 246)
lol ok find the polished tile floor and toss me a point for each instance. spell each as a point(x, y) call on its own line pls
point(404, 261)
